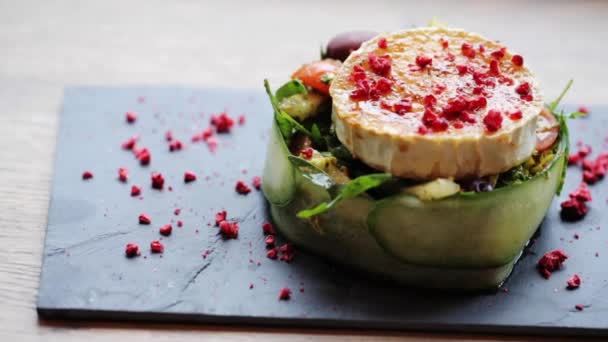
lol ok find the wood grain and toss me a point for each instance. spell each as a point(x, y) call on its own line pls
point(46, 45)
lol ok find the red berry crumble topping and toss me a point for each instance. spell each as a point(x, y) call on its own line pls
point(131, 117)
point(574, 282)
point(157, 180)
point(157, 247)
point(222, 122)
point(575, 208)
point(220, 217)
point(135, 190)
point(189, 176)
point(285, 294)
point(242, 188)
point(144, 219)
point(256, 182)
point(550, 262)
point(123, 174)
point(132, 250)
point(267, 228)
point(87, 175)
point(493, 120)
point(382, 43)
point(229, 230)
point(165, 230)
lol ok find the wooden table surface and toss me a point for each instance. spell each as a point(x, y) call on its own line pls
point(45, 45)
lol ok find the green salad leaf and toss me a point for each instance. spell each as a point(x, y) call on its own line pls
point(556, 102)
point(290, 88)
point(352, 189)
point(287, 125)
point(311, 172)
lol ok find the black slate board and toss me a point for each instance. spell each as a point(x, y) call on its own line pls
point(85, 274)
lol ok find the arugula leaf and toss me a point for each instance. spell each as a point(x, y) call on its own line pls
point(287, 125)
point(316, 136)
point(556, 102)
point(576, 115)
point(292, 87)
point(352, 189)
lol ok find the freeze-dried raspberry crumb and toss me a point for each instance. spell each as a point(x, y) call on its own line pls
point(165, 230)
point(579, 307)
point(156, 247)
point(123, 174)
point(144, 219)
point(256, 182)
point(269, 240)
point(287, 252)
point(517, 60)
point(177, 212)
point(229, 230)
point(575, 208)
point(493, 121)
point(423, 61)
point(132, 250)
point(143, 156)
point(222, 122)
point(517, 115)
point(189, 176)
point(574, 159)
point(169, 136)
point(242, 119)
point(250, 286)
point(584, 151)
point(175, 145)
point(272, 253)
point(129, 144)
point(584, 109)
point(157, 180)
point(380, 65)
point(242, 188)
point(131, 117)
point(574, 282)
point(220, 217)
point(135, 191)
point(180, 224)
point(285, 294)
point(267, 228)
point(87, 175)
point(467, 50)
point(550, 262)
point(306, 153)
point(382, 43)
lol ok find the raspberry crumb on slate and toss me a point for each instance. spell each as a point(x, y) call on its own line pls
point(584, 109)
point(189, 176)
point(220, 217)
point(129, 144)
point(87, 175)
point(143, 156)
point(269, 240)
point(132, 250)
point(157, 247)
point(222, 122)
point(169, 136)
point(175, 145)
point(131, 117)
point(242, 188)
point(250, 286)
point(157, 180)
point(180, 224)
point(177, 211)
point(165, 230)
point(229, 230)
point(550, 262)
point(287, 252)
point(272, 253)
point(135, 190)
point(144, 219)
point(267, 228)
point(242, 119)
point(123, 174)
point(285, 294)
point(575, 208)
point(256, 182)
point(579, 307)
point(574, 282)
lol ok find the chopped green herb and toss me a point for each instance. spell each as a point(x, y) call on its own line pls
point(287, 125)
point(290, 88)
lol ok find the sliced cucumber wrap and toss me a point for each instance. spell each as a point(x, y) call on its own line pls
point(463, 242)
point(486, 229)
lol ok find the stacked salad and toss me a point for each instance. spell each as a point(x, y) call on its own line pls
point(426, 156)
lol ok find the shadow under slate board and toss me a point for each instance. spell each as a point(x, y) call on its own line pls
point(202, 278)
